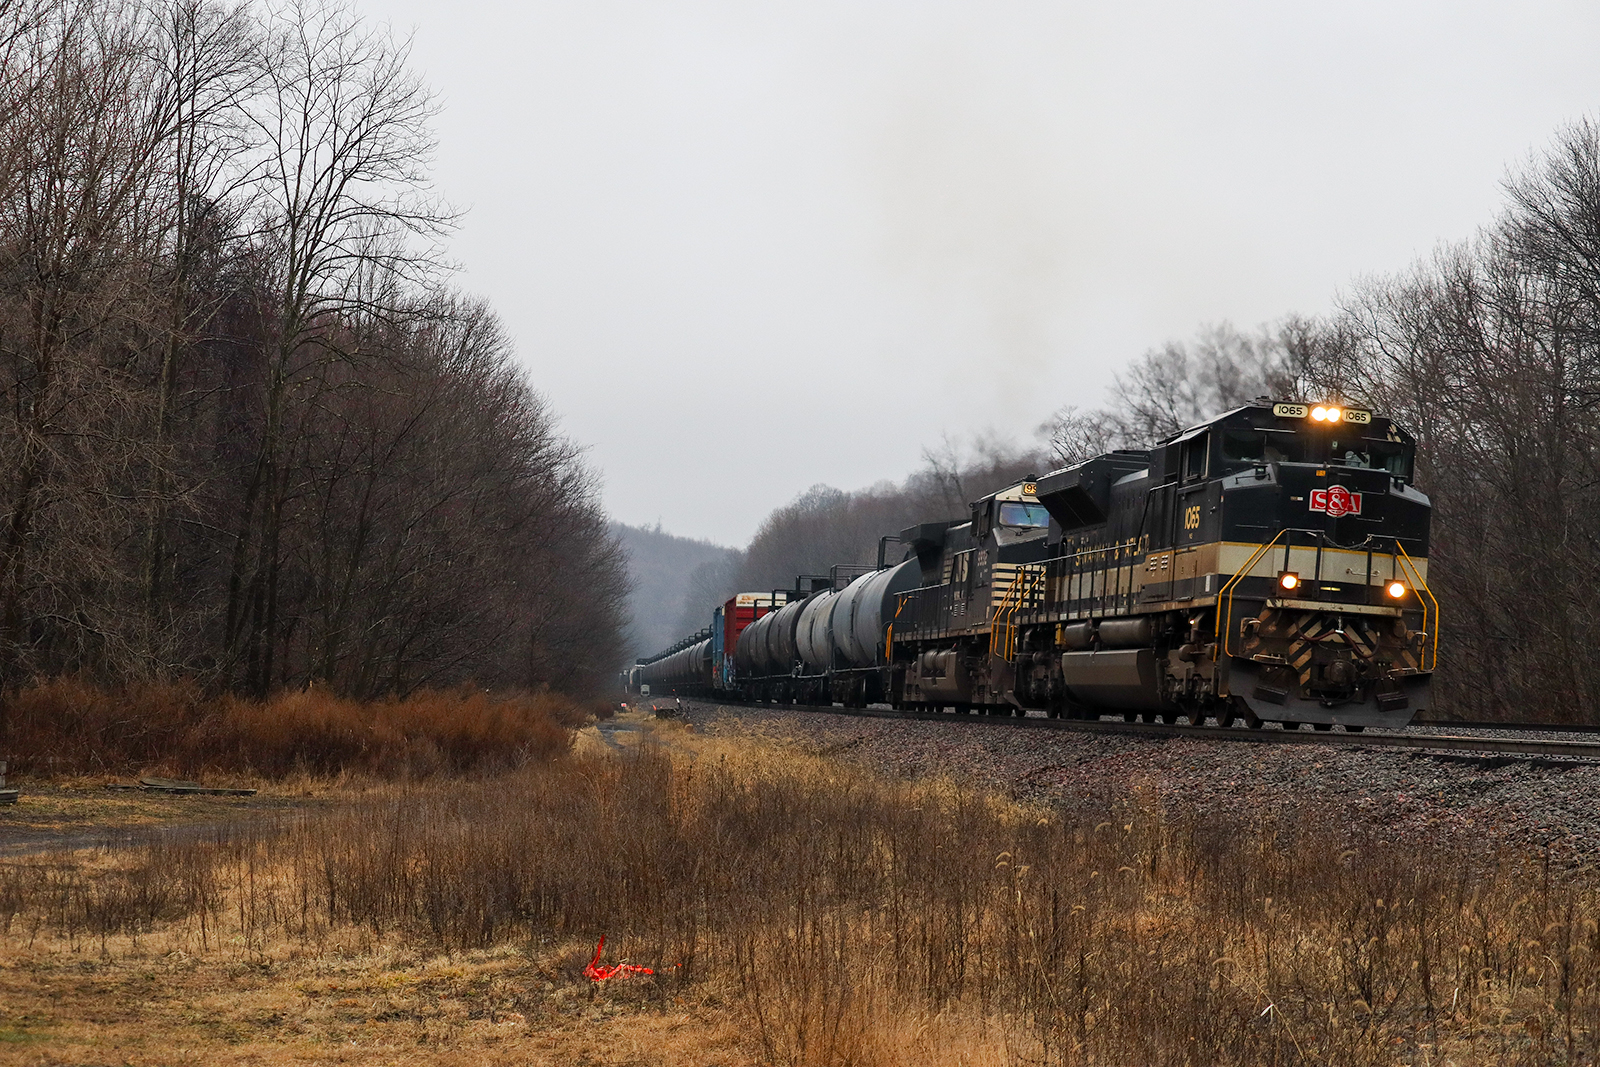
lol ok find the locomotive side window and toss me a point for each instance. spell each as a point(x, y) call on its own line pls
point(1194, 457)
point(1243, 446)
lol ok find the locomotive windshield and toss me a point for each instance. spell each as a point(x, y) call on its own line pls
point(1242, 448)
point(1390, 456)
point(1027, 515)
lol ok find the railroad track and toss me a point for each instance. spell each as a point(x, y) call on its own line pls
point(1522, 746)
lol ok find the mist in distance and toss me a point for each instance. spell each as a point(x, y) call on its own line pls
point(745, 249)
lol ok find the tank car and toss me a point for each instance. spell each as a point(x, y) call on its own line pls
point(684, 669)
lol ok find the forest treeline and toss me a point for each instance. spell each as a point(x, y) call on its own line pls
point(1488, 351)
point(660, 566)
point(249, 434)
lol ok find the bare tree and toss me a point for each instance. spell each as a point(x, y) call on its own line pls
point(346, 216)
point(1488, 351)
point(204, 56)
point(1074, 436)
point(234, 397)
point(74, 227)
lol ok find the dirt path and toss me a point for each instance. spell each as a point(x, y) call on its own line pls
point(88, 813)
point(57, 817)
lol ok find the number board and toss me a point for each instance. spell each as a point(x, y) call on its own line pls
point(1356, 416)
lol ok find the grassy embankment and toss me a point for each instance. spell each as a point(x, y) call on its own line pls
point(797, 911)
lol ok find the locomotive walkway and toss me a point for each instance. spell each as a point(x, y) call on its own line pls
point(1409, 739)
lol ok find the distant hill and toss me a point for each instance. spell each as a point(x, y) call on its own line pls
point(665, 569)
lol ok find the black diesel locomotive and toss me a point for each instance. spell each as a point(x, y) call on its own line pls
point(1268, 565)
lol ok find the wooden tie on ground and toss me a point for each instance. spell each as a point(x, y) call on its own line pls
point(179, 787)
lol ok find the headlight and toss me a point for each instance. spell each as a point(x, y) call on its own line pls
point(1397, 589)
point(1289, 581)
point(1333, 414)
point(1319, 413)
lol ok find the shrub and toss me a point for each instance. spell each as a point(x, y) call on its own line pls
point(70, 726)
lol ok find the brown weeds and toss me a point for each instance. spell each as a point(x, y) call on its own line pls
point(851, 920)
point(69, 726)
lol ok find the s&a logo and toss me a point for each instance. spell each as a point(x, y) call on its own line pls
point(1336, 501)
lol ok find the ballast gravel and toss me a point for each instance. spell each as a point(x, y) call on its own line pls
point(1484, 801)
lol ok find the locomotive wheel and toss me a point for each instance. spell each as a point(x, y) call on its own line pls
point(1197, 718)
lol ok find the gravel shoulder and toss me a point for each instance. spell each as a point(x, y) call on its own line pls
point(1487, 802)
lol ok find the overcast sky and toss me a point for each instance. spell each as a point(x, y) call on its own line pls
point(747, 247)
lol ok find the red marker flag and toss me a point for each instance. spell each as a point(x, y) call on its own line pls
point(596, 973)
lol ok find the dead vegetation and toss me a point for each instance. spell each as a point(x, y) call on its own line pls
point(69, 726)
point(834, 918)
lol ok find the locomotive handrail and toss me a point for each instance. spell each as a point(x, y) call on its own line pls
point(1069, 566)
point(1421, 585)
point(997, 625)
point(888, 637)
point(1225, 617)
point(1224, 624)
point(1022, 586)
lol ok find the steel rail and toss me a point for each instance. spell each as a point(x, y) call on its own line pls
point(1514, 727)
point(1366, 739)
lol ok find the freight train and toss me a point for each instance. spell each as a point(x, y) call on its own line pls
point(1269, 565)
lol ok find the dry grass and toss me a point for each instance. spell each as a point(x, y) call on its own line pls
point(801, 912)
point(159, 1000)
point(67, 726)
